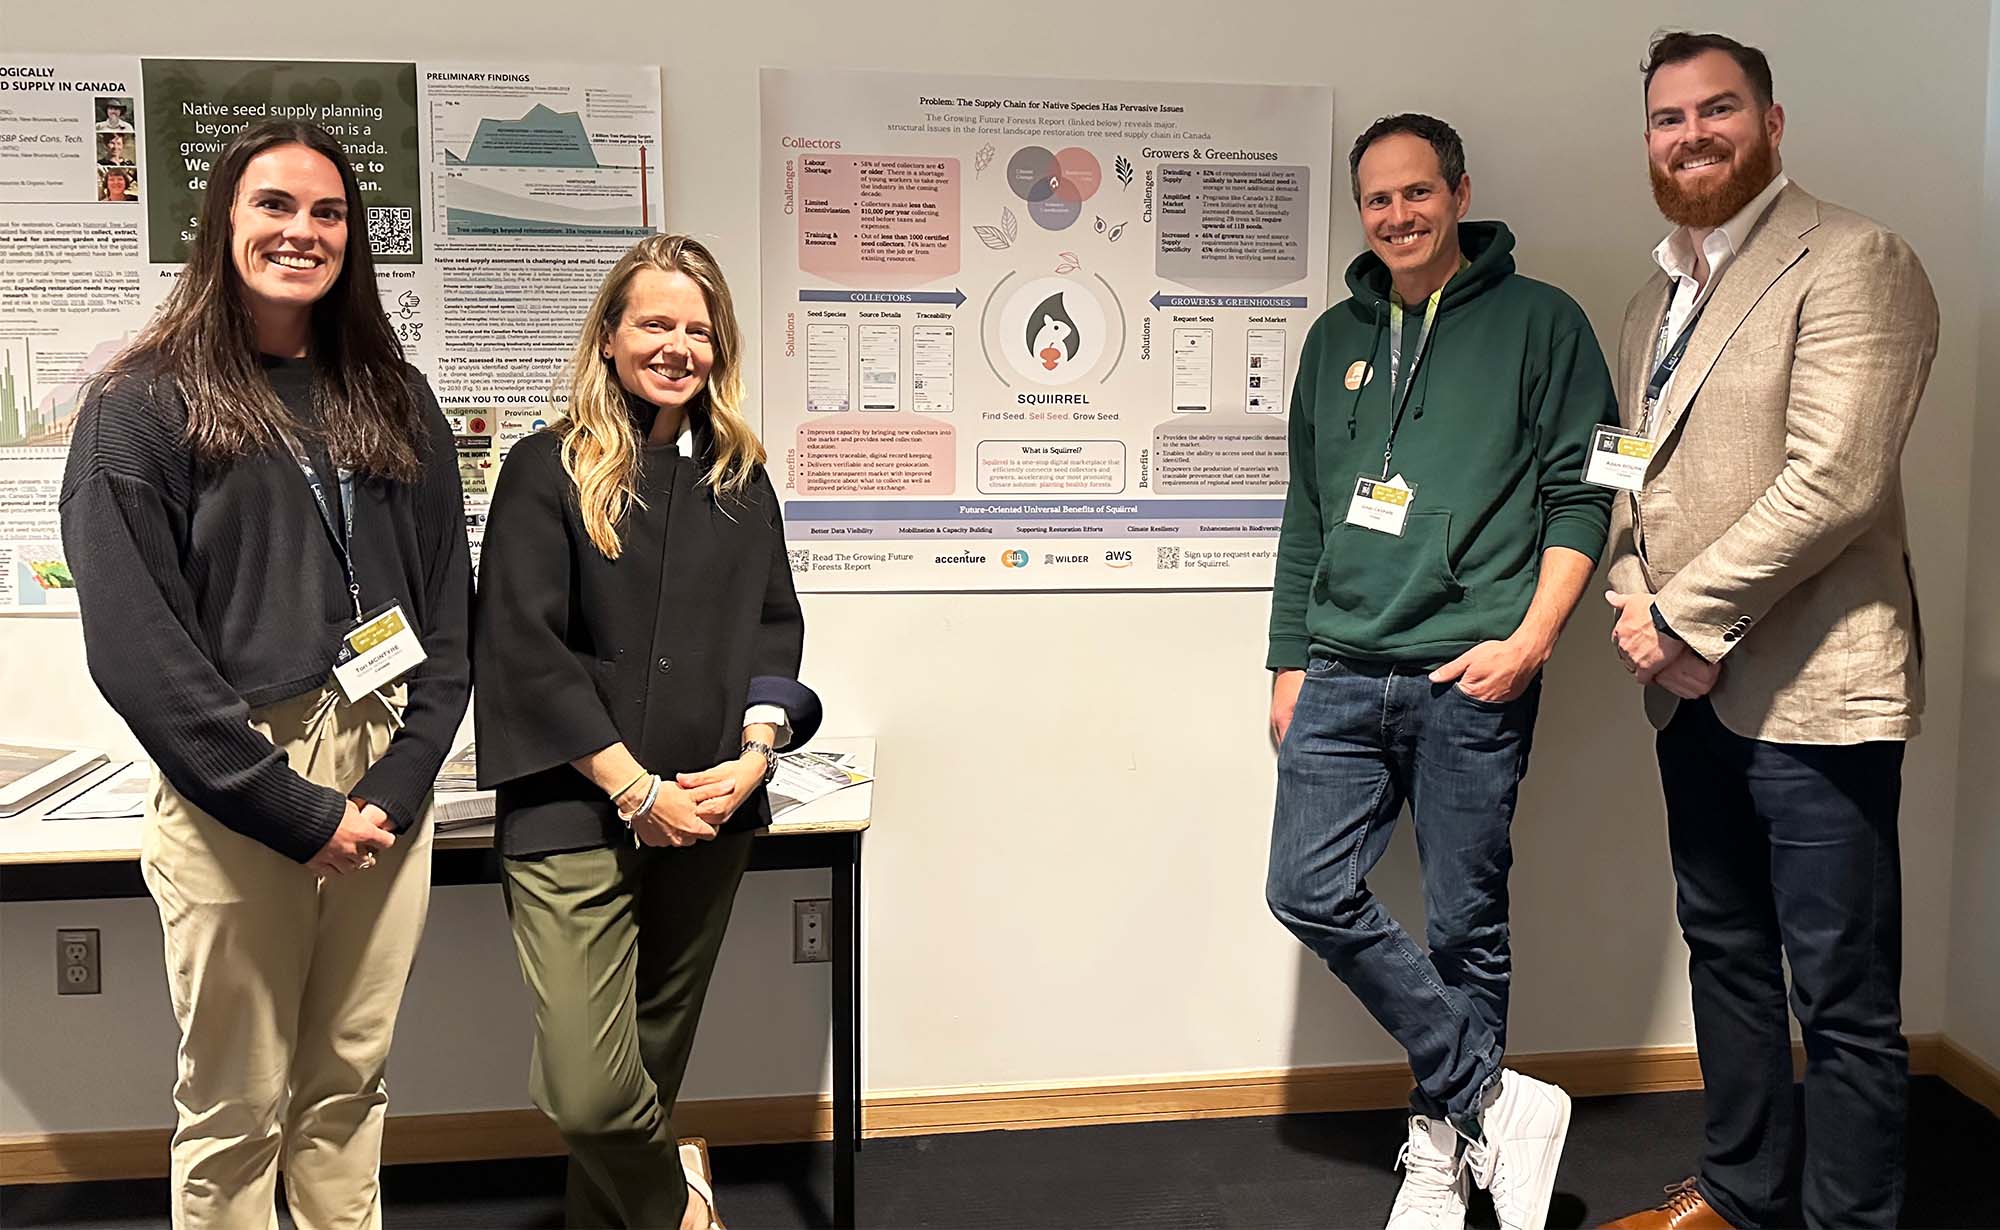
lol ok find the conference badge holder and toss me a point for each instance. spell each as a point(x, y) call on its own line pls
point(376, 652)
point(1618, 458)
point(1381, 504)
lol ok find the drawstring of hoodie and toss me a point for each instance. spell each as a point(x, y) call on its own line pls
point(1368, 370)
point(1424, 389)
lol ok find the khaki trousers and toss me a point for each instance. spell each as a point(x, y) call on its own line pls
point(617, 946)
point(286, 989)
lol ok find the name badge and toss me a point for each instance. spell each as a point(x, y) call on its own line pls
point(376, 652)
point(1618, 459)
point(1381, 504)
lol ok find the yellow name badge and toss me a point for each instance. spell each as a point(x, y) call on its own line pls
point(376, 652)
point(1381, 504)
point(1618, 459)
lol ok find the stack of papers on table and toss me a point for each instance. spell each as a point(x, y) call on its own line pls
point(117, 795)
point(460, 802)
point(31, 772)
point(805, 776)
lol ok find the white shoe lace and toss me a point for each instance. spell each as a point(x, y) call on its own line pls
point(1430, 1187)
point(1489, 1170)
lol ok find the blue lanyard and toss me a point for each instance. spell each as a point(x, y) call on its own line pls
point(342, 541)
point(1663, 368)
point(1401, 401)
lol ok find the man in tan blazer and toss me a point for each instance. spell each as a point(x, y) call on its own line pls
point(1768, 376)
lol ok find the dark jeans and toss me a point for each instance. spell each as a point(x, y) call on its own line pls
point(1364, 738)
point(1783, 848)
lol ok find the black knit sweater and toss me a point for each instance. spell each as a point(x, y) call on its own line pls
point(207, 591)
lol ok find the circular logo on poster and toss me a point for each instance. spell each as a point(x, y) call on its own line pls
point(1052, 330)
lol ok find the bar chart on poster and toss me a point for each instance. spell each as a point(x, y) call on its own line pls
point(1035, 334)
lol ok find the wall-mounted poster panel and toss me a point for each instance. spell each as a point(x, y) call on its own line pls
point(1035, 334)
point(497, 195)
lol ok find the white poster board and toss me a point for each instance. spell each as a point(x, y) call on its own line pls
point(1035, 334)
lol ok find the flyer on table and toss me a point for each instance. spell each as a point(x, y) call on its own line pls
point(497, 196)
point(1035, 334)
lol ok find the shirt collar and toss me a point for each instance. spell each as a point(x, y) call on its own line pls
point(1675, 254)
point(644, 412)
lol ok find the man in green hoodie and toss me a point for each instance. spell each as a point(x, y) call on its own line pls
point(1437, 534)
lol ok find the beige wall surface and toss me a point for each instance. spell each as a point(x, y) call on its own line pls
point(1973, 999)
point(1065, 880)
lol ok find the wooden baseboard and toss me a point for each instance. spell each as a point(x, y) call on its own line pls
point(1969, 1074)
point(483, 1135)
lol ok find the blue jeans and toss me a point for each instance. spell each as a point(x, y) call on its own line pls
point(1789, 850)
point(1365, 737)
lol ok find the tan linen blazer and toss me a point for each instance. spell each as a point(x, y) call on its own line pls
point(1771, 526)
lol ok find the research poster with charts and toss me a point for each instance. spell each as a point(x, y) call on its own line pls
point(1035, 334)
point(497, 196)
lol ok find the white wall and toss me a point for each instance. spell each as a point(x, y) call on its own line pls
point(1973, 1003)
point(1065, 880)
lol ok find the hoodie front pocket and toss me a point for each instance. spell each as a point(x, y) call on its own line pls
point(1389, 583)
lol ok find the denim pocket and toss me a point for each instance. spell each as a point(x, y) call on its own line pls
point(1494, 706)
point(1527, 696)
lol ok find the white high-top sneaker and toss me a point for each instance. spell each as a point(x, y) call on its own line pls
point(1523, 1130)
point(1435, 1182)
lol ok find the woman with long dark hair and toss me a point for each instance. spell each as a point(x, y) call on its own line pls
point(637, 656)
point(262, 510)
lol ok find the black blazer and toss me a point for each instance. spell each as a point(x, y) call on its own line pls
point(573, 652)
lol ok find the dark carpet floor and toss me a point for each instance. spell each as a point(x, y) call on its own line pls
point(1318, 1171)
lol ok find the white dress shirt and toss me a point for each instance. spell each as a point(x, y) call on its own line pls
point(1675, 255)
point(772, 714)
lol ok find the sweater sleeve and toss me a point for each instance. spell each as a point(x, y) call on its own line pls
point(1301, 536)
point(401, 781)
point(533, 703)
point(1576, 397)
point(122, 520)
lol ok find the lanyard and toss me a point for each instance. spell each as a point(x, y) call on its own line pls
point(1663, 369)
point(342, 542)
point(1401, 401)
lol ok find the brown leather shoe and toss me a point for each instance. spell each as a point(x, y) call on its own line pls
point(1685, 1209)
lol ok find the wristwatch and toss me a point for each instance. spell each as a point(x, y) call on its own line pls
point(770, 757)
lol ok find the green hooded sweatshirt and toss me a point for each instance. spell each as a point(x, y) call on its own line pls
point(1493, 439)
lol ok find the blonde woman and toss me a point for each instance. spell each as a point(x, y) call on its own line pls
point(637, 652)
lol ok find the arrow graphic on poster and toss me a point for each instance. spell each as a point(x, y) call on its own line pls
point(954, 297)
point(1161, 299)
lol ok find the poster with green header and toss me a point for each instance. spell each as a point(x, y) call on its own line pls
point(497, 193)
point(193, 107)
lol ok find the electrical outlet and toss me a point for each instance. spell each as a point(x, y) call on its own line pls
point(810, 920)
point(76, 963)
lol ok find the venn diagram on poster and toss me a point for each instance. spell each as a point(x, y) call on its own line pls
point(1054, 184)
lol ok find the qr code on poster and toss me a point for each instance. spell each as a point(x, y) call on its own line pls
point(802, 559)
point(1169, 557)
point(392, 230)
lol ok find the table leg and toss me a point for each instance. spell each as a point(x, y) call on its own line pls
point(846, 1103)
point(860, 1113)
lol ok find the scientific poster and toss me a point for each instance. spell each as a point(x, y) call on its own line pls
point(497, 196)
point(1035, 334)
